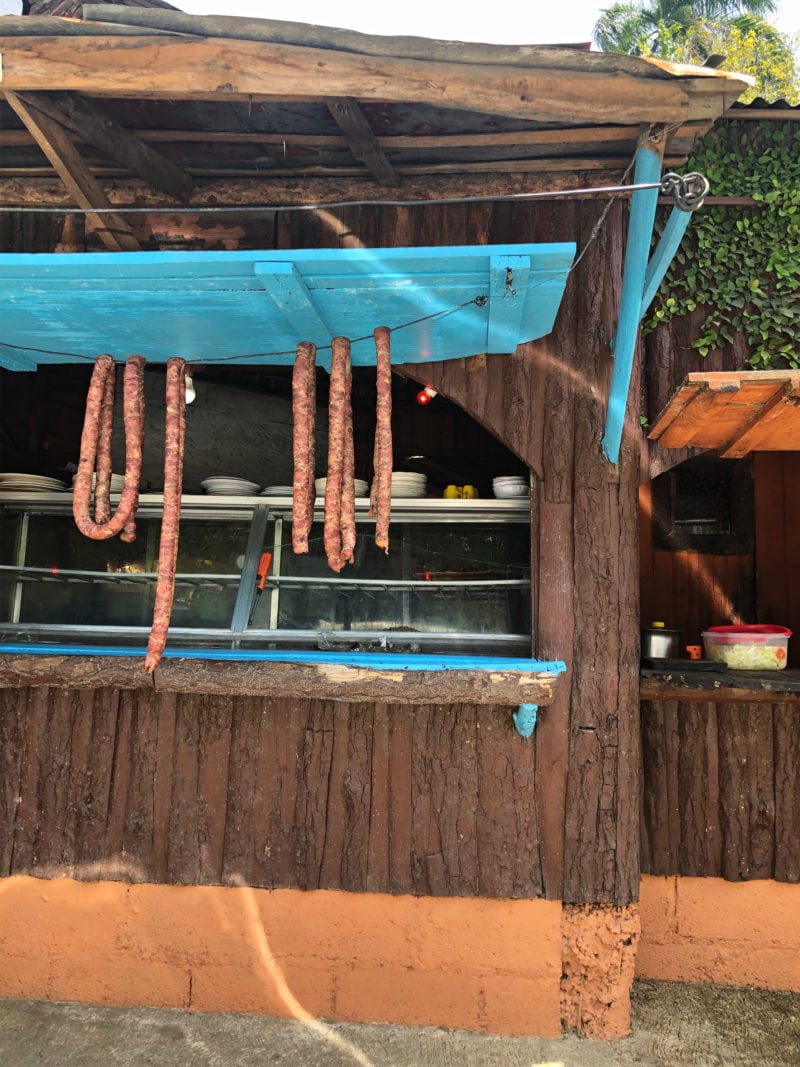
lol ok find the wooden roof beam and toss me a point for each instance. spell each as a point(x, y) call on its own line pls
point(54, 141)
point(353, 123)
point(91, 124)
point(180, 68)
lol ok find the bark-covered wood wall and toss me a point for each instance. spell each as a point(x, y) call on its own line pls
point(193, 789)
point(579, 784)
point(721, 789)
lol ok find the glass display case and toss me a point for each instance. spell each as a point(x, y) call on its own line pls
point(456, 578)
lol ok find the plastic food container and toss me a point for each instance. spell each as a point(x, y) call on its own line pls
point(748, 648)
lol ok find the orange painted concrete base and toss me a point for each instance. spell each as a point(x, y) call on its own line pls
point(485, 965)
point(710, 930)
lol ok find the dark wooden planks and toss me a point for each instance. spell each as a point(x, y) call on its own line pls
point(786, 724)
point(146, 786)
point(721, 790)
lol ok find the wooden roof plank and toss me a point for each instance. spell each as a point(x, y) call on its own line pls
point(53, 139)
point(180, 68)
point(733, 413)
point(688, 423)
point(88, 121)
point(767, 430)
point(352, 121)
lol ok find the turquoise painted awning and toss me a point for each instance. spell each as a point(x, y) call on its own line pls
point(254, 307)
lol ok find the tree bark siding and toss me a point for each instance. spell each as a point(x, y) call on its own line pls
point(721, 788)
point(146, 786)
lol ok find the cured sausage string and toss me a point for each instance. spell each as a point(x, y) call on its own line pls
point(347, 522)
point(304, 404)
point(102, 480)
point(381, 493)
point(174, 444)
point(337, 418)
point(98, 423)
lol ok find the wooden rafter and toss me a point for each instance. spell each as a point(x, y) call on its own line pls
point(54, 141)
point(353, 123)
point(87, 121)
point(594, 138)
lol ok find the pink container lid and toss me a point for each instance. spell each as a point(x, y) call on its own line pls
point(762, 630)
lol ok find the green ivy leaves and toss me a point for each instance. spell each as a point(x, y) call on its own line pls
point(741, 264)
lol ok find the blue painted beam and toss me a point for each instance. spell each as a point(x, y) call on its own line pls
point(640, 229)
point(396, 661)
point(508, 284)
point(660, 260)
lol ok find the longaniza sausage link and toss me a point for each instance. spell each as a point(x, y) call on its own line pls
point(382, 491)
point(133, 421)
point(340, 361)
point(128, 533)
point(102, 485)
point(304, 407)
point(174, 440)
point(348, 520)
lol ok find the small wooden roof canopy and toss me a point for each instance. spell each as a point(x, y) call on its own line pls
point(155, 108)
point(733, 413)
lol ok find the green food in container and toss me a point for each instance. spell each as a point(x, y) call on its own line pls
point(748, 648)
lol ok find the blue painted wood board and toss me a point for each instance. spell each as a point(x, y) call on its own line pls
point(398, 661)
point(254, 307)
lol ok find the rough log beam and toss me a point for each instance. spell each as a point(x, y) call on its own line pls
point(241, 192)
point(53, 139)
point(353, 123)
point(328, 682)
point(223, 69)
point(89, 123)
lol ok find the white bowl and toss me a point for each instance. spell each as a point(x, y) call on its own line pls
point(506, 492)
point(515, 479)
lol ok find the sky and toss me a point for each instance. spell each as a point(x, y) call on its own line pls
point(545, 22)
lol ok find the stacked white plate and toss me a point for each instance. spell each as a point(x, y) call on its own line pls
point(408, 484)
point(117, 482)
point(510, 486)
point(277, 490)
point(361, 487)
point(224, 486)
point(30, 483)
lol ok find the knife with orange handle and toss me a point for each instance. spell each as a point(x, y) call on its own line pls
point(261, 580)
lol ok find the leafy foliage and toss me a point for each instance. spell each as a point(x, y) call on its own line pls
point(648, 27)
point(736, 35)
point(742, 264)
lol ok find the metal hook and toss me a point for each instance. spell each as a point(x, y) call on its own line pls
point(688, 191)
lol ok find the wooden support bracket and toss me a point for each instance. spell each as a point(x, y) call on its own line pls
point(351, 120)
point(55, 142)
point(284, 284)
point(89, 122)
point(508, 279)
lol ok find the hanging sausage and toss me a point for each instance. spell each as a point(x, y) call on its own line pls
point(96, 452)
point(339, 412)
point(381, 494)
point(174, 443)
point(304, 409)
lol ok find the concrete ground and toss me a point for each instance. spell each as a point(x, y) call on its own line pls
point(675, 1024)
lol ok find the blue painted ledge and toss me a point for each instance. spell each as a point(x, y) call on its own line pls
point(382, 661)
